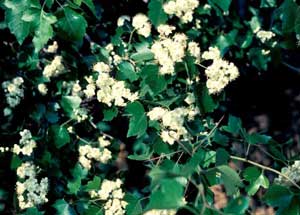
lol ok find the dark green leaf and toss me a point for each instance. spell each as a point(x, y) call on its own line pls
point(169, 195)
point(13, 16)
point(63, 208)
point(72, 25)
point(256, 180)
point(156, 13)
point(234, 125)
point(110, 113)
point(238, 206)
point(93, 185)
point(126, 72)
point(230, 179)
point(138, 119)
point(278, 195)
point(223, 4)
point(153, 79)
point(59, 135)
point(44, 31)
point(70, 103)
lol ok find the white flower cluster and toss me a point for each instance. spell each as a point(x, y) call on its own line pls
point(194, 50)
point(220, 72)
point(88, 153)
point(30, 191)
point(160, 212)
point(183, 9)
point(110, 91)
point(14, 92)
point(168, 51)
point(165, 30)
point(112, 193)
point(173, 121)
point(42, 88)
point(26, 144)
point(141, 23)
point(52, 48)
point(55, 68)
point(293, 172)
point(265, 35)
point(4, 149)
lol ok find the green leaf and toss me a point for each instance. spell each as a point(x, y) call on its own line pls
point(70, 103)
point(223, 4)
point(33, 211)
point(169, 195)
point(237, 206)
point(289, 14)
point(292, 208)
point(74, 186)
point(142, 55)
point(234, 125)
point(255, 24)
point(156, 13)
point(110, 113)
point(59, 135)
point(126, 72)
point(267, 3)
point(256, 138)
point(153, 79)
point(77, 2)
point(93, 185)
point(90, 5)
point(13, 15)
point(278, 196)
point(206, 102)
point(256, 180)
point(222, 157)
point(193, 165)
point(15, 162)
point(72, 25)
point(230, 179)
point(134, 206)
point(44, 31)
point(63, 208)
point(138, 119)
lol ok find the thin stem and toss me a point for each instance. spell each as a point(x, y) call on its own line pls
point(265, 168)
point(209, 134)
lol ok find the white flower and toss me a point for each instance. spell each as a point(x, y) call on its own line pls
point(55, 68)
point(101, 67)
point(168, 51)
point(88, 153)
point(30, 192)
point(141, 23)
point(156, 113)
point(14, 92)
point(112, 91)
point(194, 50)
point(52, 48)
point(219, 74)
point(165, 30)
point(112, 193)
point(264, 35)
point(122, 19)
point(160, 212)
point(26, 144)
point(211, 54)
point(43, 89)
point(292, 172)
point(183, 9)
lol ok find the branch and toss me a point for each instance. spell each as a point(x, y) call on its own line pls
point(265, 168)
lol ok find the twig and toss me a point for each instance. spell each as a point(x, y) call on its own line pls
point(265, 168)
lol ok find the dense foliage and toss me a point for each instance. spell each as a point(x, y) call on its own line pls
point(119, 107)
